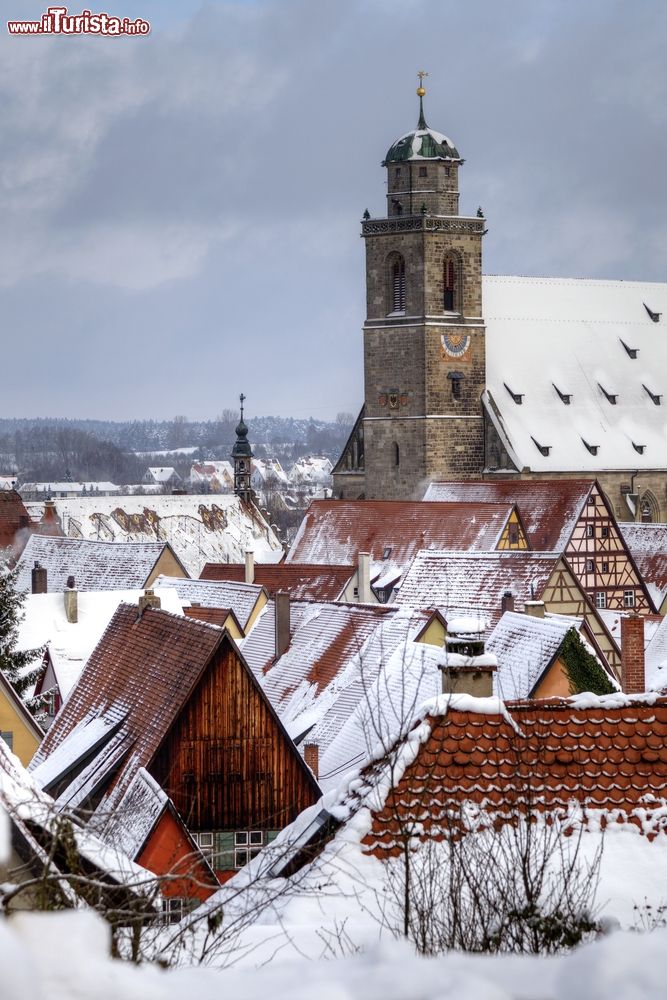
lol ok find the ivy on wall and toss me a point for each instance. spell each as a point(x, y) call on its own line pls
point(584, 673)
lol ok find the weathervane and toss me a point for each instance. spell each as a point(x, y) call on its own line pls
point(421, 124)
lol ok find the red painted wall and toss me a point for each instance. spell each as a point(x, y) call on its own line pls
point(168, 851)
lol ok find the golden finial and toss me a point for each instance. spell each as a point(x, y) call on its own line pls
point(420, 89)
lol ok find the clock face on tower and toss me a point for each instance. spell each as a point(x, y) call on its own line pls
point(454, 345)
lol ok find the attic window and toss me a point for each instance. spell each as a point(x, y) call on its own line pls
point(639, 447)
point(654, 315)
point(566, 397)
point(386, 552)
point(632, 352)
point(543, 449)
point(611, 396)
point(654, 397)
point(516, 396)
point(593, 448)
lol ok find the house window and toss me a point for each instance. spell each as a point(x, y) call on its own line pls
point(513, 533)
point(449, 281)
point(590, 531)
point(386, 552)
point(600, 599)
point(456, 388)
point(204, 841)
point(398, 284)
point(8, 737)
point(247, 845)
point(423, 172)
point(397, 171)
point(604, 531)
point(605, 567)
point(590, 566)
point(397, 455)
point(628, 598)
point(591, 500)
point(173, 910)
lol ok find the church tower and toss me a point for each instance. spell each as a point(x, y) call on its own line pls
point(242, 459)
point(424, 356)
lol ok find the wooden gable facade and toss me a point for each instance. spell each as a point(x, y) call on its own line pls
point(513, 535)
point(229, 766)
point(602, 562)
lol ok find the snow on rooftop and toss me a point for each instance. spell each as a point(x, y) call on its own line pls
point(70, 644)
point(241, 598)
point(524, 647)
point(200, 529)
point(576, 337)
point(95, 565)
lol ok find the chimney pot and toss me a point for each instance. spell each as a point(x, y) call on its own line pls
point(507, 601)
point(71, 598)
point(364, 578)
point(249, 566)
point(39, 579)
point(633, 679)
point(281, 602)
point(534, 608)
point(148, 599)
point(70, 582)
point(311, 755)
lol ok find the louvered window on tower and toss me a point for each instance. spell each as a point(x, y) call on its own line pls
point(398, 285)
point(449, 276)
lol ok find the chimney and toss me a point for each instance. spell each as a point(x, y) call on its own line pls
point(71, 601)
point(365, 595)
point(632, 654)
point(39, 579)
point(148, 600)
point(311, 755)
point(507, 601)
point(467, 668)
point(534, 608)
point(281, 604)
point(249, 566)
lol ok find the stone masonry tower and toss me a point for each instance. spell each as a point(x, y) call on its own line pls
point(424, 356)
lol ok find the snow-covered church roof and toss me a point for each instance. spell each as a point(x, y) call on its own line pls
point(577, 372)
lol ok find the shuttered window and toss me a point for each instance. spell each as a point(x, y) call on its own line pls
point(398, 285)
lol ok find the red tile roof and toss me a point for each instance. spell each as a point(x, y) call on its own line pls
point(549, 508)
point(335, 531)
point(303, 582)
point(607, 754)
point(14, 518)
point(214, 616)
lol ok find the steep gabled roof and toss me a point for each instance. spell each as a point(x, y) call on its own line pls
point(241, 598)
point(94, 565)
point(135, 683)
point(587, 367)
point(475, 582)
point(648, 545)
point(301, 581)
point(525, 647)
point(336, 531)
point(549, 508)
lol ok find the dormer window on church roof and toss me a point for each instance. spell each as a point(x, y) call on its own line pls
point(612, 397)
point(516, 396)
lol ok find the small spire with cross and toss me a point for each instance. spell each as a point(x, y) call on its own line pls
point(242, 400)
point(420, 94)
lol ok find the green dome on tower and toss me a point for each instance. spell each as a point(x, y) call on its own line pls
point(423, 143)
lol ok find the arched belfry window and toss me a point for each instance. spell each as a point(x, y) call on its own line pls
point(397, 283)
point(397, 454)
point(451, 285)
point(648, 508)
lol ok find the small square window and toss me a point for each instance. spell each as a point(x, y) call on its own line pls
point(386, 552)
point(513, 533)
point(590, 566)
point(605, 567)
point(591, 501)
point(423, 172)
point(600, 599)
point(628, 598)
point(241, 857)
point(604, 531)
point(256, 837)
point(590, 531)
point(241, 838)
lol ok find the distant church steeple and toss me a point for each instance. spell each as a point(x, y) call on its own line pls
point(242, 458)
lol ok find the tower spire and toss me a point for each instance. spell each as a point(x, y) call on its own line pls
point(421, 124)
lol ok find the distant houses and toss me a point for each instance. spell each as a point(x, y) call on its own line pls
point(163, 476)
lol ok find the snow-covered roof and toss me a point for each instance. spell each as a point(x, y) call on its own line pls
point(204, 472)
point(200, 529)
point(303, 582)
point(70, 644)
point(94, 565)
point(585, 379)
point(648, 545)
point(162, 474)
point(655, 657)
point(474, 583)
point(311, 469)
point(126, 821)
point(268, 470)
point(70, 487)
point(241, 598)
point(524, 647)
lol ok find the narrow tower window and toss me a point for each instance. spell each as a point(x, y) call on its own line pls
point(398, 284)
point(449, 275)
point(397, 455)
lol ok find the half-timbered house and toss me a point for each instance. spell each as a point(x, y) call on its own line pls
point(176, 697)
point(572, 517)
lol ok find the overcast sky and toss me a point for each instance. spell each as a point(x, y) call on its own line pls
point(179, 213)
